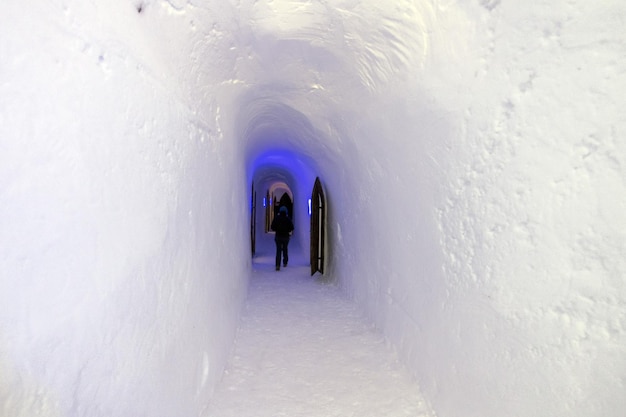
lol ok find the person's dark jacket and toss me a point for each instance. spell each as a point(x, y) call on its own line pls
point(282, 225)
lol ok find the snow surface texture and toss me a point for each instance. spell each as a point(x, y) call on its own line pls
point(472, 154)
point(303, 349)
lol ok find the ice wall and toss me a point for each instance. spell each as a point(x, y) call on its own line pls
point(502, 281)
point(120, 279)
point(531, 216)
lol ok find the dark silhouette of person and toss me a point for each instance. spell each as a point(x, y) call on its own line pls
point(283, 226)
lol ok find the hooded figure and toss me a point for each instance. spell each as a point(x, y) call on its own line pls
point(283, 226)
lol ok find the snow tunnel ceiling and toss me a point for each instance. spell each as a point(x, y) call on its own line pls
point(301, 65)
point(281, 143)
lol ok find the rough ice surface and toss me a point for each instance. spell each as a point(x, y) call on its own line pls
point(472, 154)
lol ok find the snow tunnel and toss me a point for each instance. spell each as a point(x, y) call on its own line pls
point(282, 150)
point(470, 151)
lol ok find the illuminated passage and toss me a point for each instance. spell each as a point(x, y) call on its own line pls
point(471, 194)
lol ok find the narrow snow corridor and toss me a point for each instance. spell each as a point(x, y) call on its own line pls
point(304, 350)
point(472, 160)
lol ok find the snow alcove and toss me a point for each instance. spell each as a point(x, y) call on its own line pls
point(470, 154)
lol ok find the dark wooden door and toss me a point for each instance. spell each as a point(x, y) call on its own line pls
point(318, 227)
point(253, 220)
point(268, 205)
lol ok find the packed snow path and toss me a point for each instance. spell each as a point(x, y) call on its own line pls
point(303, 349)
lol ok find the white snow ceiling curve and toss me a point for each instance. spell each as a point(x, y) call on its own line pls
point(471, 154)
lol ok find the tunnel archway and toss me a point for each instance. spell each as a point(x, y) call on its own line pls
point(284, 154)
point(280, 196)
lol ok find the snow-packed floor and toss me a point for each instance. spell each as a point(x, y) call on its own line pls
point(303, 349)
